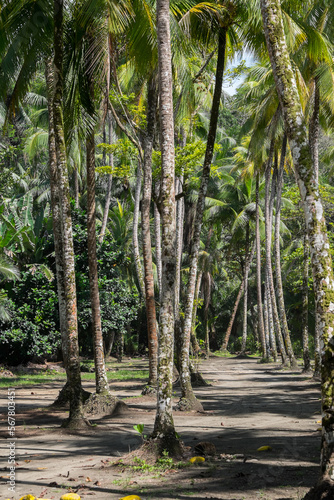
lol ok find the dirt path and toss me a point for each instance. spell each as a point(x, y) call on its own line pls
point(247, 406)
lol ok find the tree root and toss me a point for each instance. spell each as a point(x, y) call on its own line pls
point(104, 404)
point(323, 490)
point(189, 404)
point(63, 398)
point(149, 390)
point(197, 380)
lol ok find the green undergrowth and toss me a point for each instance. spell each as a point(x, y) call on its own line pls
point(162, 464)
point(52, 376)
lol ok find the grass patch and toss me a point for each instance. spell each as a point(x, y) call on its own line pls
point(51, 377)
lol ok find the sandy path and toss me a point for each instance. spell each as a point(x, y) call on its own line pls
point(247, 406)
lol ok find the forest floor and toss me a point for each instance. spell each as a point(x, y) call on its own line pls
point(247, 405)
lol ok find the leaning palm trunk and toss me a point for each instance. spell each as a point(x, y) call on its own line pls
point(109, 185)
point(164, 429)
point(146, 235)
point(306, 350)
point(100, 368)
point(279, 285)
point(135, 243)
point(315, 222)
point(187, 394)
point(76, 417)
point(258, 272)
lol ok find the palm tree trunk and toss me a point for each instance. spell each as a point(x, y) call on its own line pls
point(109, 185)
point(76, 417)
point(186, 389)
point(279, 285)
point(157, 237)
point(314, 129)
point(267, 329)
point(55, 207)
point(271, 328)
point(76, 186)
point(164, 429)
point(306, 351)
point(146, 232)
point(135, 243)
point(101, 379)
point(321, 261)
point(258, 271)
point(244, 326)
point(193, 338)
point(268, 225)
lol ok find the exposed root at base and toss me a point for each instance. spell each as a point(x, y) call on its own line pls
point(189, 404)
point(197, 380)
point(76, 424)
point(63, 398)
point(149, 390)
point(104, 404)
point(323, 490)
point(154, 448)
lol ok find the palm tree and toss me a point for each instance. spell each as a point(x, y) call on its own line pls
point(164, 429)
point(295, 126)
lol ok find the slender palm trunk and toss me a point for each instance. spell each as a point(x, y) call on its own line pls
point(157, 237)
point(76, 417)
point(314, 129)
point(314, 216)
point(193, 339)
point(245, 304)
point(164, 424)
point(101, 379)
point(55, 207)
point(109, 185)
point(267, 329)
point(135, 244)
point(186, 389)
point(76, 186)
point(258, 271)
point(271, 328)
point(268, 224)
point(279, 284)
point(146, 232)
point(306, 351)
point(207, 298)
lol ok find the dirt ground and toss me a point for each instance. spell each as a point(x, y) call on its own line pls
point(247, 405)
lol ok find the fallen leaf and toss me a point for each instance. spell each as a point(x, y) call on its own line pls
point(196, 460)
point(88, 480)
point(264, 448)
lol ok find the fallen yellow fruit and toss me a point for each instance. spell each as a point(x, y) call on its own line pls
point(28, 497)
point(265, 448)
point(196, 460)
point(131, 497)
point(70, 496)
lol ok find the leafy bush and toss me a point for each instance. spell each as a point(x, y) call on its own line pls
point(33, 327)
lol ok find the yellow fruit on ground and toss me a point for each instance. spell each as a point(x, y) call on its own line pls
point(265, 448)
point(196, 460)
point(70, 496)
point(131, 497)
point(28, 497)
